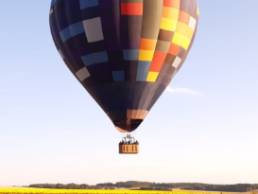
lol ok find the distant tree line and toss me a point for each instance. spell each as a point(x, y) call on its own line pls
point(153, 186)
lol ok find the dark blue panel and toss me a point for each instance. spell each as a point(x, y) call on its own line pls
point(71, 31)
point(84, 4)
point(131, 54)
point(95, 58)
point(118, 75)
point(142, 70)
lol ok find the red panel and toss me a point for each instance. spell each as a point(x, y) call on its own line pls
point(132, 8)
point(158, 60)
point(174, 50)
point(172, 3)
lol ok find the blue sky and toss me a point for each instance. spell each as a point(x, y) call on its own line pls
point(203, 129)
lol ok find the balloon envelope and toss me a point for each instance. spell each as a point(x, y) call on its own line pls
point(124, 52)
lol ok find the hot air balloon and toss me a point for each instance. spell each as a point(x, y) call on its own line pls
point(124, 52)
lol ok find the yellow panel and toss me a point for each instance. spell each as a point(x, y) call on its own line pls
point(171, 13)
point(168, 24)
point(181, 41)
point(152, 76)
point(146, 55)
point(184, 30)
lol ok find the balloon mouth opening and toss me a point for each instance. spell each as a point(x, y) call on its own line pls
point(121, 130)
point(128, 126)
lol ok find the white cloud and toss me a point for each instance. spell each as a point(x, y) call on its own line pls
point(183, 91)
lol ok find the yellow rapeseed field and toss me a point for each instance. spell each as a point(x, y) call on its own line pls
point(65, 191)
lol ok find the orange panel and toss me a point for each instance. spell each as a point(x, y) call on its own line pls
point(132, 8)
point(172, 3)
point(148, 44)
point(171, 13)
point(184, 17)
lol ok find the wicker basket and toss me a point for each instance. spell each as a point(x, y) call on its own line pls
point(125, 148)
